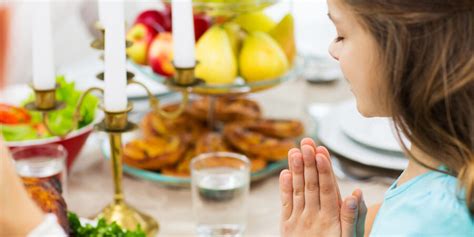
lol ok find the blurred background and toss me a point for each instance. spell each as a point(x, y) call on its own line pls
point(73, 29)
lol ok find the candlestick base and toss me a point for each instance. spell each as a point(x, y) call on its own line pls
point(173, 85)
point(129, 218)
point(116, 121)
point(184, 76)
point(45, 101)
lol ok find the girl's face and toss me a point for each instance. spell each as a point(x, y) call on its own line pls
point(356, 50)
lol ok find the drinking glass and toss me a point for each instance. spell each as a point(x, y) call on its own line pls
point(47, 163)
point(220, 190)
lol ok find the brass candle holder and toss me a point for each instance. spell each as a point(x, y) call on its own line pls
point(45, 102)
point(115, 123)
point(119, 211)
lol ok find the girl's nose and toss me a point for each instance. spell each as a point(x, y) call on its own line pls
point(333, 51)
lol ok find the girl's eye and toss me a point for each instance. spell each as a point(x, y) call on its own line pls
point(339, 38)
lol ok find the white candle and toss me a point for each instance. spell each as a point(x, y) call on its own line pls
point(183, 34)
point(115, 97)
point(42, 47)
point(101, 6)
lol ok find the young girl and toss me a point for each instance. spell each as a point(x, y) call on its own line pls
point(412, 61)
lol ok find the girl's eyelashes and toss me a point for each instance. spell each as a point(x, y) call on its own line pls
point(338, 39)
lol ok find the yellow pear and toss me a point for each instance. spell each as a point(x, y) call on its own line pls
point(283, 33)
point(261, 58)
point(255, 21)
point(216, 61)
point(235, 37)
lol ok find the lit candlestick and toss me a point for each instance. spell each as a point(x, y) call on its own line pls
point(42, 47)
point(183, 34)
point(115, 96)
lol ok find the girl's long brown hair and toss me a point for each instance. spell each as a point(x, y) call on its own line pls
point(427, 55)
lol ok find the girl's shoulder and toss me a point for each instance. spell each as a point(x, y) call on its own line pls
point(430, 205)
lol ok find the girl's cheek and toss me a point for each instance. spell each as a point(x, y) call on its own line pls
point(345, 65)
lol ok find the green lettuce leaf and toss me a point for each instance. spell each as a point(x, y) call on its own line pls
point(102, 229)
point(18, 132)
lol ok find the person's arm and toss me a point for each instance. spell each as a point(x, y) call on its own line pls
point(371, 214)
point(19, 215)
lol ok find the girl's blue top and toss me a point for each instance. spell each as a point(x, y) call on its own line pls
point(428, 205)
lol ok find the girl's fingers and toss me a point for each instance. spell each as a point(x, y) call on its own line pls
point(290, 152)
point(327, 187)
point(349, 214)
point(286, 194)
point(298, 182)
point(311, 185)
point(362, 213)
point(325, 152)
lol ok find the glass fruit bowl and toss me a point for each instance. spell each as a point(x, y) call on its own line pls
point(240, 86)
point(228, 8)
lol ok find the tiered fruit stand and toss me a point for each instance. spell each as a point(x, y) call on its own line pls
point(220, 10)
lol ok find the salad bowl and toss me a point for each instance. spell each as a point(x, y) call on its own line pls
point(18, 133)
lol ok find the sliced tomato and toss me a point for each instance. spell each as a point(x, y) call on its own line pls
point(13, 115)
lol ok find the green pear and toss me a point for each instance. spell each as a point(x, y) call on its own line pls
point(216, 61)
point(255, 21)
point(283, 33)
point(261, 58)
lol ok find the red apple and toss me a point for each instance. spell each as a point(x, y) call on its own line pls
point(160, 21)
point(201, 24)
point(168, 8)
point(160, 54)
point(141, 35)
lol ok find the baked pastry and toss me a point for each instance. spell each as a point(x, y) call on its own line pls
point(279, 128)
point(169, 145)
point(257, 144)
point(185, 126)
point(210, 142)
point(154, 153)
point(226, 109)
point(257, 165)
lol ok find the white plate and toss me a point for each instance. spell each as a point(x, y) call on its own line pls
point(331, 135)
point(15, 94)
point(374, 132)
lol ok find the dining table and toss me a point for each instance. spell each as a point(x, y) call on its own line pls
point(90, 187)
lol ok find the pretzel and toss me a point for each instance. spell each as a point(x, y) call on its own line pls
point(226, 109)
point(154, 153)
point(257, 144)
point(278, 128)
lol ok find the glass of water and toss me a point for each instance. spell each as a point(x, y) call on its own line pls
point(45, 163)
point(220, 189)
